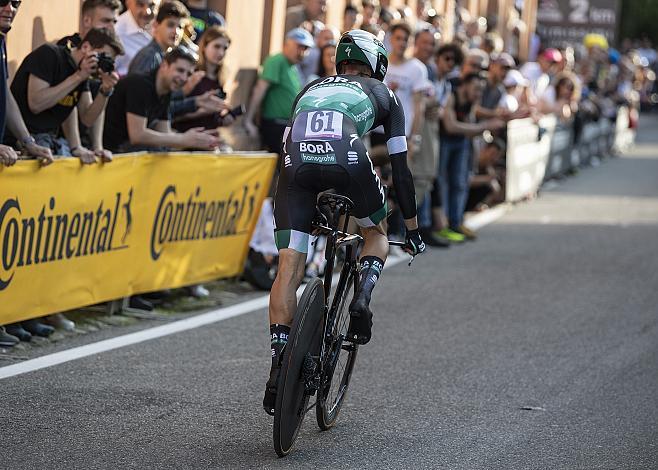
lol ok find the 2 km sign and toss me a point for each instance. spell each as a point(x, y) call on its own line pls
point(561, 21)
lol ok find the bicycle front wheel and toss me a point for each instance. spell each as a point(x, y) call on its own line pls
point(303, 345)
point(340, 360)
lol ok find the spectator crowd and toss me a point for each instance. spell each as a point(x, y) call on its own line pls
point(149, 75)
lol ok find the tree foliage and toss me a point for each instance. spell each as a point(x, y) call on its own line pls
point(639, 18)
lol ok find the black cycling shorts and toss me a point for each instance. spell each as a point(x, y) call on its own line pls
point(323, 151)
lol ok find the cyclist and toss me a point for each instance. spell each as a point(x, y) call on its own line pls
point(322, 149)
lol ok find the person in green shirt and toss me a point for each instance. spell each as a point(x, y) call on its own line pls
point(276, 89)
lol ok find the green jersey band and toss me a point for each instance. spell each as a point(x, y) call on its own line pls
point(341, 95)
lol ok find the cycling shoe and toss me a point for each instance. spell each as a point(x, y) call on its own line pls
point(270, 390)
point(360, 328)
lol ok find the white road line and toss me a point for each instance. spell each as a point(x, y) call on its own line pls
point(133, 338)
point(479, 220)
point(196, 321)
point(474, 223)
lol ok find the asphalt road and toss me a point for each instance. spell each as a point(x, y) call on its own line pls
point(555, 308)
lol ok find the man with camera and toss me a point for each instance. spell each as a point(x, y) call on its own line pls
point(51, 88)
point(138, 114)
point(97, 14)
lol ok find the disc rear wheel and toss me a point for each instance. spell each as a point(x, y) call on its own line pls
point(303, 347)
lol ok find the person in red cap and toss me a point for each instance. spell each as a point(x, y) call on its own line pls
point(539, 73)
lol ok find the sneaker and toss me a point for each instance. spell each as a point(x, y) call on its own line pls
point(467, 232)
point(451, 236)
point(198, 291)
point(431, 240)
point(15, 329)
point(60, 321)
point(36, 328)
point(269, 400)
point(360, 329)
point(7, 340)
point(140, 303)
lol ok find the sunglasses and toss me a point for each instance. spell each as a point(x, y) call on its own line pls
point(14, 3)
point(448, 58)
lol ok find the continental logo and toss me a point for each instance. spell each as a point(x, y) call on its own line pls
point(51, 236)
point(190, 217)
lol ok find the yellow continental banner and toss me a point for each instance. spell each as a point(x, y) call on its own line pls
point(74, 235)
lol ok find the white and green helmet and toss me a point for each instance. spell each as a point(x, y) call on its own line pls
point(363, 47)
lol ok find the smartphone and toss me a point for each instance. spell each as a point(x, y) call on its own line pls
point(237, 111)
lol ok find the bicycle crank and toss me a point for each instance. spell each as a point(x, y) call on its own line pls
point(310, 374)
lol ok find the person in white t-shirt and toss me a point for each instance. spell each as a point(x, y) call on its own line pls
point(539, 73)
point(562, 97)
point(407, 77)
point(517, 98)
point(133, 28)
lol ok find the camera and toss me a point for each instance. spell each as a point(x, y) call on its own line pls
point(105, 62)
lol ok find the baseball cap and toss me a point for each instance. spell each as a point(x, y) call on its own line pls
point(552, 55)
point(593, 39)
point(504, 59)
point(301, 37)
point(514, 78)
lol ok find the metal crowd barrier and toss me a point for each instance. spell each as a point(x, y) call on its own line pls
point(537, 152)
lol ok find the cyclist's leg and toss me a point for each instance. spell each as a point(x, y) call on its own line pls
point(373, 257)
point(375, 241)
point(370, 212)
point(283, 299)
point(294, 208)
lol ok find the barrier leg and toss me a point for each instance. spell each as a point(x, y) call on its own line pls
point(117, 306)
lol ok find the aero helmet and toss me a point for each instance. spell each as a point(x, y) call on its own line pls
point(363, 47)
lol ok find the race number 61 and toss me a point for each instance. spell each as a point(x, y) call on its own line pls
point(324, 124)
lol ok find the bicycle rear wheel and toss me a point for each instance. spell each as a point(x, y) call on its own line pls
point(305, 339)
point(339, 364)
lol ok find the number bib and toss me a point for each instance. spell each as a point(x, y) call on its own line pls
point(322, 125)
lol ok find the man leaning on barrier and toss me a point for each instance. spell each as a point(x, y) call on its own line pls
point(51, 88)
point(10, 114)
point(138, 118)
point(167, 31)
point(455, 132)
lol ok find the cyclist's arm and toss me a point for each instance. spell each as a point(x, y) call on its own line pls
point(397, 150)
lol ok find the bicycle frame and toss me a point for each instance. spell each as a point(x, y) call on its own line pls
point(336, 239)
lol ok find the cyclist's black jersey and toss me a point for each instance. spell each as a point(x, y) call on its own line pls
point(366, 101)
point(322, 149)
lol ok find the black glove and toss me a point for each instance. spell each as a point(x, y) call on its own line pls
point(414, 245)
